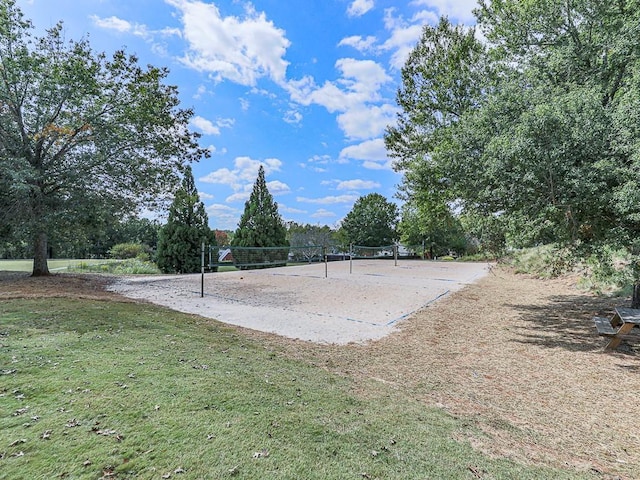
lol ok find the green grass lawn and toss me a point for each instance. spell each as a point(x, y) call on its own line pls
point(93, 389)
point(54, 264)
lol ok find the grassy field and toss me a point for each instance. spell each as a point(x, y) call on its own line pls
point(97, 389)
point(54, 264)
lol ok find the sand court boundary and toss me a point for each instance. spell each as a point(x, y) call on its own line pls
point(355, 302)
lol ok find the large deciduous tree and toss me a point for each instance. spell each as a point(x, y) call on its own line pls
point(538, 126)
point(81, 134)
point(371, 222)
point(180, 240)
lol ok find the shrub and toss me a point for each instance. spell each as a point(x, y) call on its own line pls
point(129, 250)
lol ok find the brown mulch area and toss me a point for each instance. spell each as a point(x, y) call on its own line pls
point(515, 356)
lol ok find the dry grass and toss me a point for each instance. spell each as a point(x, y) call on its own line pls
point(517, 356)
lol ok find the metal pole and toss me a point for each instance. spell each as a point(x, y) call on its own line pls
point(351, 258)
point(395, 254)
point(326, 261)
point(202, 274)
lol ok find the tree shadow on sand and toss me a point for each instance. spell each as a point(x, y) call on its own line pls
point(566, 321)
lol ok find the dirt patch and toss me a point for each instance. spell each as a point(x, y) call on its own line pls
point(515, 356)
point(22, 285)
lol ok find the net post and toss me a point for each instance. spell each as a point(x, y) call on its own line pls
point(395, 255)
point(202, 273)
point(326, 260)
point(351, 258)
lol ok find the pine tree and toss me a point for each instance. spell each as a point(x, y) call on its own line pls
point(180, 240)
point(260, 226)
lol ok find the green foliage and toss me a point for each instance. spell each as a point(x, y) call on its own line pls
point(180, 240)
point(548, 261)
point(130, 266)
point(129, 250)
point(86, 139)
point(371, 222)
point(307, 241)
point(437, 229)
point(535, 134)
point(261, 226)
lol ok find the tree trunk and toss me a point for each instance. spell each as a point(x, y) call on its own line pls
point(635, 299)
point(40, 267)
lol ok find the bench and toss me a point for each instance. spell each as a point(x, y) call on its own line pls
point(604, 327)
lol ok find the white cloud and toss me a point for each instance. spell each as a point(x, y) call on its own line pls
point(366, 121)
point(205, 126)
point(276, 187)
point(238, 197)
point(200, 92)
point(363, 45)
point(372, 152)
point(206, 196)
point(112, 23)
point(241, 50)
point(360, 83)
point(292, 117)
point(124, 26)
point(322, 213)
point(242, 177)
point(213, 149)
point(208, 127)
point(402, 41)
point(330, 200)
point(222, 176)
point(285, 209)
point(359, 7)
point(357, 185)
point(223, 217)
point(461, 10)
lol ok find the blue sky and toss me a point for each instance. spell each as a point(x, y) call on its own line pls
point(305, 88)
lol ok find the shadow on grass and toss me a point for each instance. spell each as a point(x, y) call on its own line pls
point(567, 322)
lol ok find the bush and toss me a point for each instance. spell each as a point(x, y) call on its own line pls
point(130, 266)
point(130, 250)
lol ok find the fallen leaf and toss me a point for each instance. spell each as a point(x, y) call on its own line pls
point(72, 423)
point(179, 470)
point(156, 408)
point(477, 472)
point(262, 454)
point(46, 435)
point(18, 442)
point(234, 470)
point(166, 475)
point(86, 463)
point(19, 454)
point(20, 411)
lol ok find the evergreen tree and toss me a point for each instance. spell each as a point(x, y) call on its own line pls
point(260, 226)
point(180, 240)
